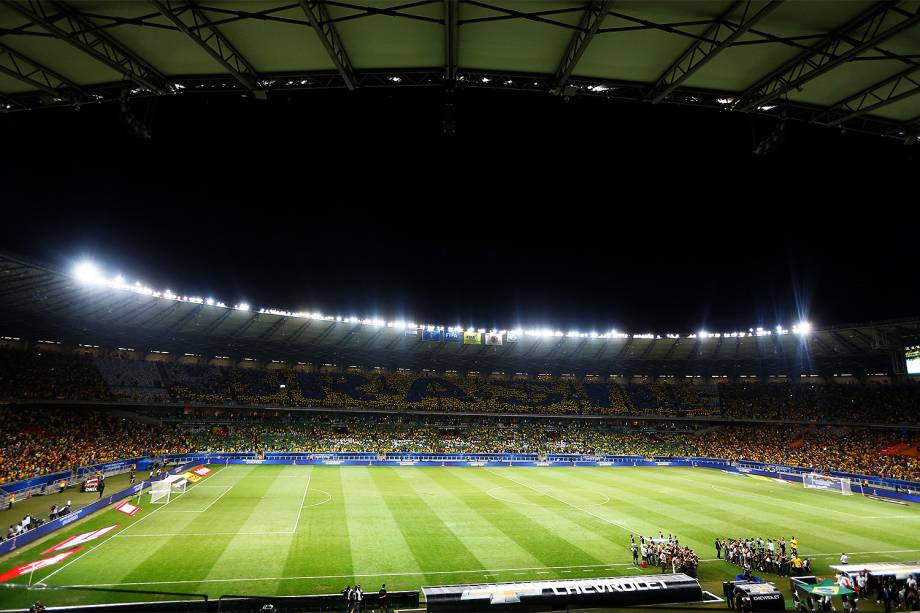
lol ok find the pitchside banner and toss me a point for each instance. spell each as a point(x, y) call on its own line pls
point(609, 592)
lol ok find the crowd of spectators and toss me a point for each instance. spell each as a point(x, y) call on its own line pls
point(43, 375)
point(40, 441)
point(851, 403)
point(817, 447)
point(39, 374)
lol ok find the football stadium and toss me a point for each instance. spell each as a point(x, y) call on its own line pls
point(459, 305)
point(197, 455)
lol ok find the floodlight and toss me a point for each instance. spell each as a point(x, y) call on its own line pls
point(88, 272)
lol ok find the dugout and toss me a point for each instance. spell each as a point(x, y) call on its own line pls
point(762, 595)
point(899, 571)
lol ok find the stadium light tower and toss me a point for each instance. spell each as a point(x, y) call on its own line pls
point(803, 328)
point(87, 272)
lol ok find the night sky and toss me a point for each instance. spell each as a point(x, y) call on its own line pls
point(582, 215)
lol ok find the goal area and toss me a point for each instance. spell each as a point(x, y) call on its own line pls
point(161, 491)
point(817, 481)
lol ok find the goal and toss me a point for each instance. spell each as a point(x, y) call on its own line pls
point(816, 481)
point(162, 490)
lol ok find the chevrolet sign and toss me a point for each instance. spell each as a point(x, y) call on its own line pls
point(612, 592)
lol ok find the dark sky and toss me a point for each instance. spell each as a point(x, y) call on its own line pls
point(581, 215)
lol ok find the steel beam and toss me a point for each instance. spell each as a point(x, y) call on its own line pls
point(451, 39)
point(27, 70)
point(210, 39)
point(71, 27)
point(594, 15)
point(897, 87)
point(857, 36)
point(718, 37)
point(318, 15)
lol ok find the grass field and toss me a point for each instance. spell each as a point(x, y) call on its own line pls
point(278, 530)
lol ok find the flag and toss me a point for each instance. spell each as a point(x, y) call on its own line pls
point(472, 338)
point(451, 336)
point(511, 337)
point(79, 539)
point(25, 569)
point(493, 338)
point(202, 471)
point(431, 335)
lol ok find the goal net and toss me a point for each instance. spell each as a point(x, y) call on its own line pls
point(815, 481)
point(162, 490)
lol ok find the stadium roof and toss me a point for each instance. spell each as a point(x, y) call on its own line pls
point(38, 303)
point(852, 64)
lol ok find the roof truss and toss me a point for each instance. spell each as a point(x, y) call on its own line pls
point(718, 37)
point(316, 12)
point(74, 29)
point(595, 13)
point(872, 27)
point(192, 22)
point(21, 67)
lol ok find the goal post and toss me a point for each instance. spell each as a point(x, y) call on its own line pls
point(816, 481)
point(161, 491)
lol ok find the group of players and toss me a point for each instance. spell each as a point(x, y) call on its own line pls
point(665, 552)
point(759, 555)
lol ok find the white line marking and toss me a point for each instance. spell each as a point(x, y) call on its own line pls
point(302, 501)
point(396, 574)
point(111, 538)
point(583, 510)
point(129, 536)
point(481, 571)
point(811, 507)
point(229, 487)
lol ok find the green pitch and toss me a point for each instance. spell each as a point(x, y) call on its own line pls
point(280, 530)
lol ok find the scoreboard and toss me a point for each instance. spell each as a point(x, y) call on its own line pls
point(912, 356)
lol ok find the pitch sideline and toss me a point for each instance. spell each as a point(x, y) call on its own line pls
point(481, 571)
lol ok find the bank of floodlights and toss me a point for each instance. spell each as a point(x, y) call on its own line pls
point(89, 273)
